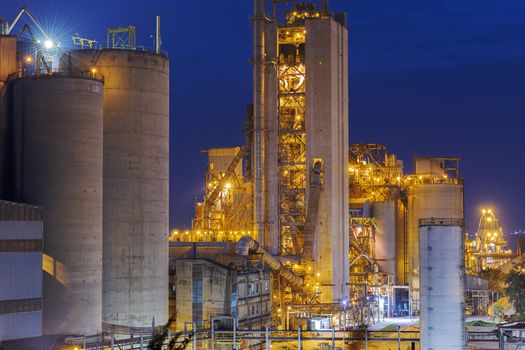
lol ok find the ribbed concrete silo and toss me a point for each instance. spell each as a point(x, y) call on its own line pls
point(136, 128)
point(442, 281)
point(436, 191)
point(58, 165)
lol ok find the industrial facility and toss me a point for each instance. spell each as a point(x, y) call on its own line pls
point(85, 137)
point(298, 229)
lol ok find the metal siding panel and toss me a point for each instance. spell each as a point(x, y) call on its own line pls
point(21, 229)
point(20, 276)
point(20, 325)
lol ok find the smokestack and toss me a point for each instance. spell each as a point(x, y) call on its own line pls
point(157, 36)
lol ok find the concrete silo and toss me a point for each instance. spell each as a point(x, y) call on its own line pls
point(435, 191)
point(58, 165)
point(136, 128)
point(442, 280)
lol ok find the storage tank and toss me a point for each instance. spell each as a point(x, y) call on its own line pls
point(58, 165)
point(429, 200)
point(442, 280)
point(384, 214)
point(136, 127)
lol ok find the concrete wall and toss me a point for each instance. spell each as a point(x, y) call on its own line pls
point(136, 141)
point(327, 139)
point(201, 295)
point(442, 287)
point(58, 152)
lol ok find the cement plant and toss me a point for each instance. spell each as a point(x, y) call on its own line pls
point(301, 240)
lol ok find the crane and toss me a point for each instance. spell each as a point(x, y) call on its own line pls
point(6, 28)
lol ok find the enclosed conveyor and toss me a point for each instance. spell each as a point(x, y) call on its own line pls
point(247, 244)
point(312, 212)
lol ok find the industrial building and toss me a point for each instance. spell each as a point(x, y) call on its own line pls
point(338, 224)
point(84, 135)
point(21, 231)
point(297, 230)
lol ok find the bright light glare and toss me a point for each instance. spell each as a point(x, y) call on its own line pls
point(48, 44)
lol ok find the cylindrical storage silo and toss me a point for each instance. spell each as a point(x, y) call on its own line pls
point(429, 200)
point(442, 281)
point(136, 138)
point(384, 214)
point(58, 165)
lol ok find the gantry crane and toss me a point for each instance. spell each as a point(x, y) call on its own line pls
point(487, 249)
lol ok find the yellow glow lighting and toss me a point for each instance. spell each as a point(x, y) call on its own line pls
point(228, 186)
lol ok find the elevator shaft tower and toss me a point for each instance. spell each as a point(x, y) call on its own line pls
point(301, 119)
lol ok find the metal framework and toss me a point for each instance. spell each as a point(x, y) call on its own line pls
point(121, 38)
point(487, 249)
point(224, 214)
point(292, 138)
point(374, 174)
point(84, 43)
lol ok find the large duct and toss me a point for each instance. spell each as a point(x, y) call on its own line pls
point(247, 244)
point(58, 165)
point(258, 117)
point(136, 141)
point(312, 213)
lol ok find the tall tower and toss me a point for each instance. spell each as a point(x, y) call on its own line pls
point(301, 118)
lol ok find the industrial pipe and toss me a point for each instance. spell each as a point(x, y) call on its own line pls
point(247, 244)
point(312, 212)
point(157, 35)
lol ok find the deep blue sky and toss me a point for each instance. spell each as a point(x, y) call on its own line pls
point(426, 77)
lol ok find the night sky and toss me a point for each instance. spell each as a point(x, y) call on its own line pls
point(426, 77)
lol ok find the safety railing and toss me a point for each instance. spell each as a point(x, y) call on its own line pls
point(56, 73)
